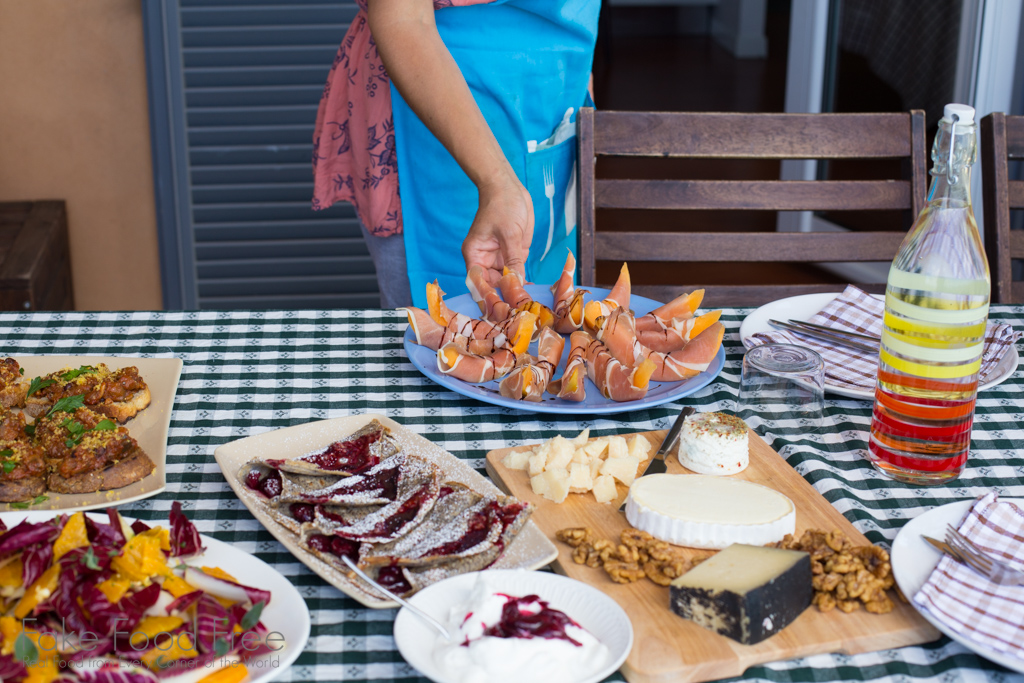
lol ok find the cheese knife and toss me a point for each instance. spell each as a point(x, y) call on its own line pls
point(656, 465)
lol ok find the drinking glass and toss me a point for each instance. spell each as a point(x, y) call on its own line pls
point(782, 386)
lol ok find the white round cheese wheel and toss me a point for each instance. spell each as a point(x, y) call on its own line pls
point(702, 511)
point(714, 443)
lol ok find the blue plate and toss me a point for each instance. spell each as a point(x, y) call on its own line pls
point(425, 361)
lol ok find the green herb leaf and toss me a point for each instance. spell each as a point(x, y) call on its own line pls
point(40, 499)
point(6, 453)
point(39, 383)
point(21, 370)
point(72, 374)
point(68, 404)
point(90, 560)
point(252, 617)
point(104, 425)
point(20, 506)
point(9, 466)
point(30, 430)
point(221, 647)
point(25, 650)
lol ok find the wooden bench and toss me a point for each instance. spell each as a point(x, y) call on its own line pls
point(35, 261)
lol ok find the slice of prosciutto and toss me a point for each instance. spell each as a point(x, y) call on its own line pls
point(568, 300)
point(616, 381)
point(618, 296)
point(486, 297)
point(528, 382)
point(571, 386)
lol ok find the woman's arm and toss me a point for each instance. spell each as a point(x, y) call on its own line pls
point(430, 81)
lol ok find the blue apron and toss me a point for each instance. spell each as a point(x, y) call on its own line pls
point(526, 62)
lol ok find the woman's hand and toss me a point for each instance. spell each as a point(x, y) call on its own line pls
point(502, 229)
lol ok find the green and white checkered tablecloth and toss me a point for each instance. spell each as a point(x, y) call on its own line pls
point(247, 372)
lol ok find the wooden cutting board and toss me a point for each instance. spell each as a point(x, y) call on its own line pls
point(669, 648)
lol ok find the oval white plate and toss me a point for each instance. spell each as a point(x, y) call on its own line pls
point(804, 306)
point(913, 560)
point(589, 607)
point(286, 613)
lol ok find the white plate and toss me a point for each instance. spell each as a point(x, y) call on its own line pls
point(913, 560)
point(286, 613)
point(530, 549)
point(587, 606)
point(805, 306)
point(149, 427)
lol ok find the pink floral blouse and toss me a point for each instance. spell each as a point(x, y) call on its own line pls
point(354, 139)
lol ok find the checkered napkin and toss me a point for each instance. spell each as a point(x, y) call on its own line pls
point(987, 613)
point(857, 311)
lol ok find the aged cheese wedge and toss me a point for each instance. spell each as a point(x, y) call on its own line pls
point(705, 511)
point(747, 593)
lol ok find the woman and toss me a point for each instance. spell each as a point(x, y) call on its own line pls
point(467, 84)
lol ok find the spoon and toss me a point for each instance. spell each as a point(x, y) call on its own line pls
point(404, 603)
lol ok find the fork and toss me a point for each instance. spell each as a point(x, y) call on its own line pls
point(982, 562)
point(549, 192)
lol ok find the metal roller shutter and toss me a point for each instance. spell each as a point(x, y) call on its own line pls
point(234, 88)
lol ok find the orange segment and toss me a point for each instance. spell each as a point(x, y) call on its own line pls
point(177, 586)
point(434, 297)
point(643, 373)
point(703, 322)
point(115, 587)
point(150, 627)
point(11, 573)
point(228, 674)
point(180, 648)
point(37, 592)
point(71, 536)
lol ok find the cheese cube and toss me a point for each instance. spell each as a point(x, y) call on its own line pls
point(580, 480)
point(557, 482)
point(617, 447)
point(745, 592)
point(561, 454)
point(582, 438)
point(595, 467)
point(539, 484)
point(582, 456)
point(596, 448)
point(639, 447)
point(517, 460)
point(623, 469)
point(536, 463)
point(604, 489)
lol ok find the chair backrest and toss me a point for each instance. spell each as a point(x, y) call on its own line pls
point(1002, 139)
point(745, 136)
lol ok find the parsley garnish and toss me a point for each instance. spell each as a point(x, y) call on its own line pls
point(25, 650)
point(252, 617)
point(77, 430)
point(35, 501)
point(8, 465)
point(30, 430)
point(21, 370)
point(90, 560)
point(68, 404)
point(38, 383)
point(72, 374)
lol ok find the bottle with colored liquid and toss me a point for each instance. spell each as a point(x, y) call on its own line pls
point(936, 310)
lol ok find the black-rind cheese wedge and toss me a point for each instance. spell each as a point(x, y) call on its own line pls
point(747, 593)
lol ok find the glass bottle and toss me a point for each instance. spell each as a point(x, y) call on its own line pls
point(936, 310)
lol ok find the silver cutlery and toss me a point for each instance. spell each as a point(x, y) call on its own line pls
point(982, 562)
point(834, 336)
point(404, 603)
point(825, 328)
point(656, 465)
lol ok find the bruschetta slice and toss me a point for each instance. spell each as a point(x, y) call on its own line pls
point(118, 394)
point(13, 385)
point(86, 451)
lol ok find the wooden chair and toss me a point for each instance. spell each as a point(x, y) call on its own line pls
point(745, 136)
point(1002, 139)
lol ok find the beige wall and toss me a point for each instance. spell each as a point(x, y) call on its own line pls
point(74, 125)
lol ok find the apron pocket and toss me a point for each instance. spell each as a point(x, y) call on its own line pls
point(550, 178)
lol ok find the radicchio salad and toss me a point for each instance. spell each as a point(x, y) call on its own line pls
point(114, 603)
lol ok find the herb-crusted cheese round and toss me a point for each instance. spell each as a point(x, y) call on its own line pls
point(714, 443)
point(701, 511)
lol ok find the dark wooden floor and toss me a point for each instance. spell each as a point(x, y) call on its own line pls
point(652, 72)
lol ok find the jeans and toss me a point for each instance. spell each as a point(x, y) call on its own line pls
point(388, 254)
